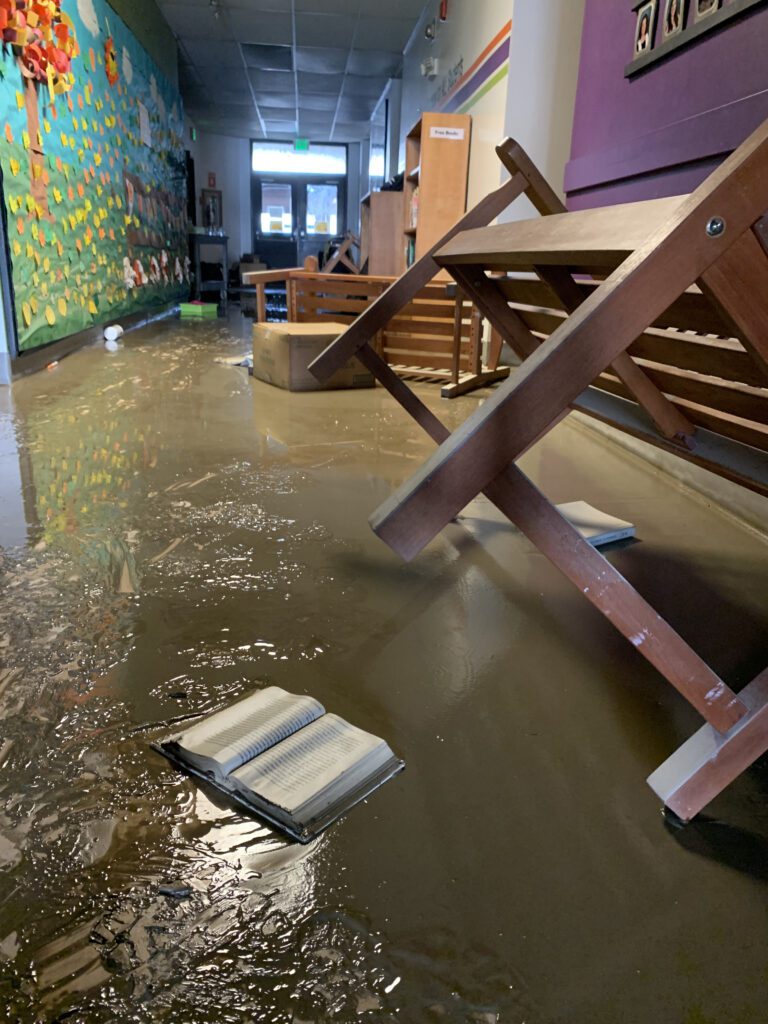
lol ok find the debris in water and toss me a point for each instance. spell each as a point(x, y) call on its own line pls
point(176, 892)
point(171, 547)
point(189, 484)
point(9, 947)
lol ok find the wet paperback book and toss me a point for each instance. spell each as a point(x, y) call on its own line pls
point(283, 758)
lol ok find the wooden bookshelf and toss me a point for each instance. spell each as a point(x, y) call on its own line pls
point(435, 185)
point(381, 217)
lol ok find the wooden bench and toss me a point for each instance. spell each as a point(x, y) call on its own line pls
point(435, 337)
point(652, 317)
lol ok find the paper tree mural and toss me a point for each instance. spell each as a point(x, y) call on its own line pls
point(97, 228)
point(42, 40)
point(110, 61)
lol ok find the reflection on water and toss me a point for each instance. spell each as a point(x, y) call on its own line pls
point(176, 535)
point(151, 571)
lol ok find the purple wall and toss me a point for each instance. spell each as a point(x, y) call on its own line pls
point(662, 132)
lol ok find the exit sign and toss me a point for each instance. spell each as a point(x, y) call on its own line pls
point(301, 145)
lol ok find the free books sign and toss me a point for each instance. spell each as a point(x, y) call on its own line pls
point(454, 134)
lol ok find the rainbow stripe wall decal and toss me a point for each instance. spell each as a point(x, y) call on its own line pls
point(490, 68)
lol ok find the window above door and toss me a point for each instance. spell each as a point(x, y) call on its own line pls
point(283, 158)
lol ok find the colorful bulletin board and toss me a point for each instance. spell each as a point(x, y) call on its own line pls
point(93, 170)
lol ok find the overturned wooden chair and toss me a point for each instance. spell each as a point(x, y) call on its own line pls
point(614, 349)
point(340, 254)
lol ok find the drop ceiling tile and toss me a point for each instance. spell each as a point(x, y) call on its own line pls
point(316, 116)
point(285, 100)
point(324, 30)
point(277, 113)
point(383, 34)
point(279, 126)
point(322, 60)
point(310, 126)
point(231, 111)
point(318, 101)
point(234, 128)
point(355, 109)
point(346, 8)
point(359, 85)
point(279, 81)
point(410, 10)
point(315, 132)
point(250, 26)
point(268, 58)
point(374, 62)
point(319, 83)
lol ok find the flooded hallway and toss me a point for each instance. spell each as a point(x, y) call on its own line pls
point(384, 512)
point(176, 534)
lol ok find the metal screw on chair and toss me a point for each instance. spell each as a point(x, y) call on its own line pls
point(715, 227)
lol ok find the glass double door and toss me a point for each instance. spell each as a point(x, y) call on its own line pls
point(295, 217)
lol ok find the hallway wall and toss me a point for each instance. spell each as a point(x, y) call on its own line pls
point(93, 175)
point(229, 159)
point(541, 87)
point(662, 132)
point(472, 48)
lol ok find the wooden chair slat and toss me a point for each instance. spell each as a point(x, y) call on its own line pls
point(714, 357)
point(746, 431)
point(728, 457)
point(691, 311)
point(603, 237)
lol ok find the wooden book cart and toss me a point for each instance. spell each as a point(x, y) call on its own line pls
point(341, 253)
point(632, 345)
point(436, 337)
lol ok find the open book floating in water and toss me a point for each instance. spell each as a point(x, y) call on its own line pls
point(597, 527)
point(285, 759)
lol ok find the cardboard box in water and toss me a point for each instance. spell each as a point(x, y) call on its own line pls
point(282, 353)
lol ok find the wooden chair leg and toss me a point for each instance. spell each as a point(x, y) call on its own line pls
point(494, 348)
point(670, 421)
point(406, 287)
point(618, 311)
point(475, 342)
point(738, 286)
point(458, 321)
point(522, 503)
point(710, 760)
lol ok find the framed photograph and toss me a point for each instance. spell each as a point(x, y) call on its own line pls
point(210, 202)
point(646, 22)
point(703, 8)
point(674, 17)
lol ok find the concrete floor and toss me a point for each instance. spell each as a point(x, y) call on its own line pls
point(174, 535)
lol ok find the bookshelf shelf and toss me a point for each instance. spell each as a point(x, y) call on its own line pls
point(435, 180)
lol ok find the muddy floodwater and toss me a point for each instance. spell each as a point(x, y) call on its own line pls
point(175, 535)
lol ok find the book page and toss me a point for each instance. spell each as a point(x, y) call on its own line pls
point(308, 762)
point(234, 736)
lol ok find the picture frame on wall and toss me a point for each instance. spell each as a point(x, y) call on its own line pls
point(703, 8)
point(210, 201)
point(674, 17)
point(644, 28)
